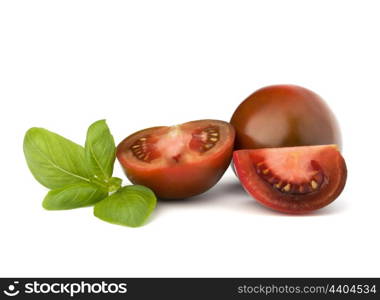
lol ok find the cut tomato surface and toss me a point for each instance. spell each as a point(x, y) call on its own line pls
point(292, 179)
point(178, 161)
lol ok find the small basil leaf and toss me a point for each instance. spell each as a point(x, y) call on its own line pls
point(73, 196)
point(54, 160)
point(110, 185)
point(100, 150)
point(114, 184)
point(130, 206)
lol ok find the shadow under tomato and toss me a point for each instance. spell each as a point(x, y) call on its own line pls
point(222, 189)
point(229, 194)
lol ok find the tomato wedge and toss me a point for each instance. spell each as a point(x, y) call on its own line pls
point(292, 179)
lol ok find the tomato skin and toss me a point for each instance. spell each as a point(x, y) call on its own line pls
point(284, 116)
point(182, 180)
point(331, 162)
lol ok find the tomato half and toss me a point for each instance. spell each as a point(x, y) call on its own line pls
point(284, 116)
point(292, 179)
point(178, 161)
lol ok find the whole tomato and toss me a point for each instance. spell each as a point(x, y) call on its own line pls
point(284, 116)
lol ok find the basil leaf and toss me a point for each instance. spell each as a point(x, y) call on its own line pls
point(73, 196)
point(100, 150)
point(53, 160)
point(111, 185)
point(130, 206)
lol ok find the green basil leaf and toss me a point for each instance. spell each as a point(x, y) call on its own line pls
point(100, 150)
point(130, 206)
point(54, 160)
point(73, 196)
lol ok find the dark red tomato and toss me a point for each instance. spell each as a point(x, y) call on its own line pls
point(292, 180)
point(284, 116)
point(179, 161)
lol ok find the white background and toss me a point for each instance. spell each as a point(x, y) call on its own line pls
point(65, 64)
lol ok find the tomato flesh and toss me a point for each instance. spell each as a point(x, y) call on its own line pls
point(178, 161)
point(292, 179)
